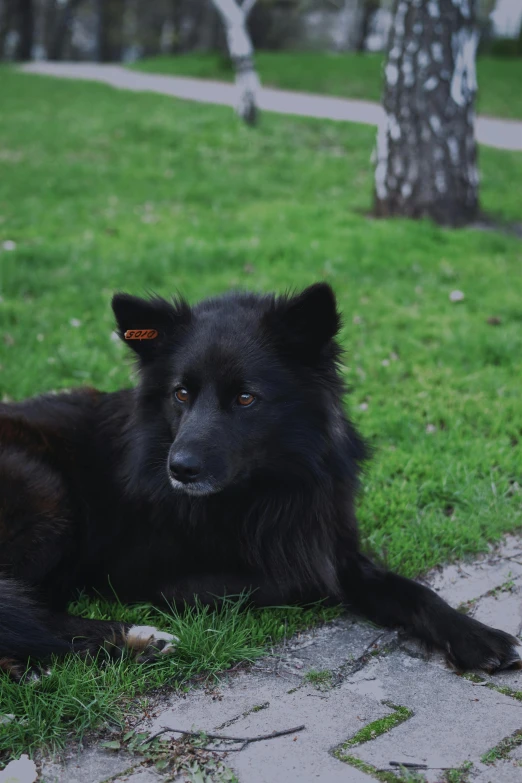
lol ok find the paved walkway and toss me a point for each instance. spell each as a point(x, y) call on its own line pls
point(358, 700)
point(502, 134)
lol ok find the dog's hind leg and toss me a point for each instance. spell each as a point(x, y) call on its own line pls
point(24, 630)
point(32, 633)
point(394, 601)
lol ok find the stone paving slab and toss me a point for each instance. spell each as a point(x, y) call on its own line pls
point(90, 766)
point(509, 679)
point(458, 584)
point(502, 134)
point(329, 647)
point(503, 610)
point(509, 771)
point(512, 547)
point(453, 721)
point(516, 755)
point(250, 706)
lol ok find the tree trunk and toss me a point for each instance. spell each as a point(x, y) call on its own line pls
point(6, 18)
point(62, 26)
point(49, 21)
point(426, 149)
point(241, 53)
point(188, 23)
point(25, 29)
point(369, 7)
point(177, 20)
point(110, 30)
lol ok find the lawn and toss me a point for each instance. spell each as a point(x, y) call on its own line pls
point(103, 190)
point(348, 75)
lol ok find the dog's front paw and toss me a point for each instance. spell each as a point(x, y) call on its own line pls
point(477, 646)
point(147, 642)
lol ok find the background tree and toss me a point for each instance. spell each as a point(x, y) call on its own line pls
point(7, 9)
point(25, 29)
point(426, 149)
point(369, 8)
point(241, 52)
point(110, 30)
point(61, 26)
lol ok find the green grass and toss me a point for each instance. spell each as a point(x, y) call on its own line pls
point(103, 190)
point(321, 679)
point(503, 749)
point(347, 75)
point(79, 696)
point(459, 775)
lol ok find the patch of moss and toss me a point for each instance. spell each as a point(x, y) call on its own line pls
point(503, 749)
point(259, 707)
point(384, 775)
point(473, 677)
point(376, 728)
point(505, 689)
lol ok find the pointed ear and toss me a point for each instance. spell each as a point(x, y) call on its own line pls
point(309, 319)
point(146, 325)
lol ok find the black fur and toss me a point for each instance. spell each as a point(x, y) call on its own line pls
point(170, 498)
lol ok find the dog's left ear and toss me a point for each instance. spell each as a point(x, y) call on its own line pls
point(310, 318)
point(146, 325)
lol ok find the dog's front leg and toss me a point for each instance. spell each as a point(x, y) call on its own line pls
point(394, 601)
point(144, 642)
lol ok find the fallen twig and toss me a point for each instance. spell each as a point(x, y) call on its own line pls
point(222, 737)
point(412, 765)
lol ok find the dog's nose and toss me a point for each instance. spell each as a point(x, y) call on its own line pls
point(185, 467)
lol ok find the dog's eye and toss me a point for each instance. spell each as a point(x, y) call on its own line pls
point(245, 399)
point(181, 394)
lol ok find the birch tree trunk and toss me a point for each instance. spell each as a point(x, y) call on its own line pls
point(241, 52)
point(426, 150)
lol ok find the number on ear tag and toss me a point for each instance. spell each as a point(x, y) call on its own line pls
point(141, 334)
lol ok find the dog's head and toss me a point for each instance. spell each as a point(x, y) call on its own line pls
point(236, 387)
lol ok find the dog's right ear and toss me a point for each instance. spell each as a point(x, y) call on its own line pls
point(147, 325)
point(304, 323)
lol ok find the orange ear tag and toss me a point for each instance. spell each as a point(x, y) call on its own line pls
point(141, 334)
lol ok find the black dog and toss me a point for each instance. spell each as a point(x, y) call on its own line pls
point(231, 466)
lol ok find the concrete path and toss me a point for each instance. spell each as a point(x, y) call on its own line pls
point(502, 134)
point(357, 699)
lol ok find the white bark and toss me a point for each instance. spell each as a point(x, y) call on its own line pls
point(247, 6)
point(426, 150)
point(464, 79)
point(241, 52)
